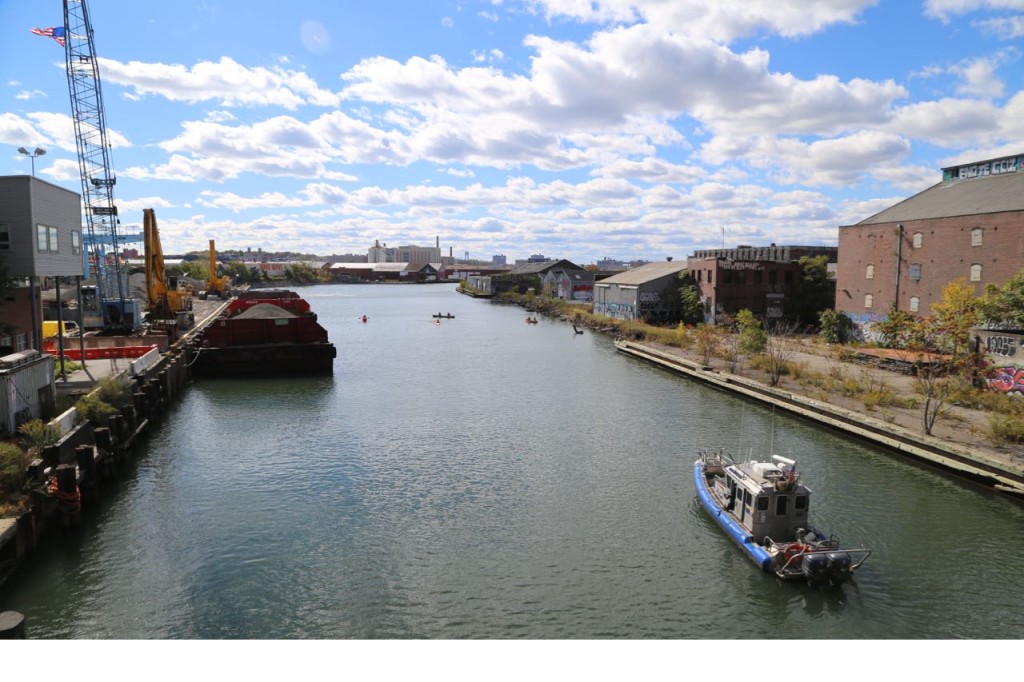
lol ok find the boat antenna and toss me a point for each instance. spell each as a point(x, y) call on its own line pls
point(772, 447)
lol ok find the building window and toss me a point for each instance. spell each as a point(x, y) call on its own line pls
point(915, 271)
point(758, 277)
point(918, 240)
point(915, 304)
point(19, 343)
point(869, 272)
point(76, 242)
point(976, 236)
point(869, 300)
point(976, 272)
point(5, 236)
point(46, 239)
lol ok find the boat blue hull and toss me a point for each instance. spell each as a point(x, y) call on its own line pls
point(733, 529)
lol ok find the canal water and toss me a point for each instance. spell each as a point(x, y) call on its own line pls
point(485, 478)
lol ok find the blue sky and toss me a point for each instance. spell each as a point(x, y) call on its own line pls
point(579, 129)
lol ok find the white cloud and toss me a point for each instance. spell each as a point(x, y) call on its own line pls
point(979, 77)
point(1005, 28)
point(944, 10)
point(722, 20)
point(225, 81)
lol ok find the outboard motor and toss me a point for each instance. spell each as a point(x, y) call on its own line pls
point(815, 568)
point(838, 567)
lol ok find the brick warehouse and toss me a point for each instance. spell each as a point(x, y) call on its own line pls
point(969, 225)
point(759, 279)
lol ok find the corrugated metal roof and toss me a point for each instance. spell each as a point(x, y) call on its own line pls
point(646, 273)
point(990, 194)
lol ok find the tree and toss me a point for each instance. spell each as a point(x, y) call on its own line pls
point(779, 349)
point(1003, 307)
point(836, 326)
point(900, 330)
point(684, 299)
point(953, 318)
point(814, 291)
point(708, 338)
point(753, 337)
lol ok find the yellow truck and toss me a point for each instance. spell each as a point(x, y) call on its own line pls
point(52, 327)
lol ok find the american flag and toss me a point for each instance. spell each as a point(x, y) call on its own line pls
point(57, 33)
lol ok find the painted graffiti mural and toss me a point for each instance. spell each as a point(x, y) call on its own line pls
point(1007, 380)
point(1000, 348)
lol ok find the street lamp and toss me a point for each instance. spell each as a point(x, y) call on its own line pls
point(39, 151)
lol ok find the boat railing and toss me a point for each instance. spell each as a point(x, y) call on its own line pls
point(825, 547)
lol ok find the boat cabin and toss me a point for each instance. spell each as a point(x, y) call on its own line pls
point(767, 498)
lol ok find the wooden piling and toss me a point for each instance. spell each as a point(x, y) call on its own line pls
point(12, 625)
point(68, 498)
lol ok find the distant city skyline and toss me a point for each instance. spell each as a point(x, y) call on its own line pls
point(625, 129)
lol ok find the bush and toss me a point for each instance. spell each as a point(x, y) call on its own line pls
point(39, 434)
point(94, 410)
point(753, 337)
point(12, 466)
point(836, 327)
point(113, 392)
point(1003, 428)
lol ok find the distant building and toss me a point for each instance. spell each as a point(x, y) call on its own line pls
point(379, 253)
point(529, 275)
point(758, 279)
point(970, 225)
point(498, 260)
point(383, 272)
point(570, 284)
point(636, 294)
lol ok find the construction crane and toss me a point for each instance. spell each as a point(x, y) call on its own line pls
point(216, 286)
point(119, 312)
point(170, 303)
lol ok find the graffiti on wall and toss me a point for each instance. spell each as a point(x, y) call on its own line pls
point(1007, 380)
point(1000, 348)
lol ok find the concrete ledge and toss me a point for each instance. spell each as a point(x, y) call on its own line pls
point(953, 457)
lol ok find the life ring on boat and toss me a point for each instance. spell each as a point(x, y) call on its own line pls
point(793, 550)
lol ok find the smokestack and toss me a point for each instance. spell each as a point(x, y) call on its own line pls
point(438, 238)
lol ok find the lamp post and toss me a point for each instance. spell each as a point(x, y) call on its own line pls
point(39, 151)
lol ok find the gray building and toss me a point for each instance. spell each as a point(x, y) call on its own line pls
point(40, 236)
point(635, 294)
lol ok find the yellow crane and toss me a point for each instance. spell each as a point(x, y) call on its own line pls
point(216, 286)
point(172, 302)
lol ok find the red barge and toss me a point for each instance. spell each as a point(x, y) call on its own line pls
point(264, 332)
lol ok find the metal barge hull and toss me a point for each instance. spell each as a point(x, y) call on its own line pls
point(262, 360)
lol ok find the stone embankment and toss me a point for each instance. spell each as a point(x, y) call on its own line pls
point(1003, 470)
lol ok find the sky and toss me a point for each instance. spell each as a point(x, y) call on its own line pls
point(578, 129)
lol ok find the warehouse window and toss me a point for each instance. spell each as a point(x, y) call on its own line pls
point(869, 300)
point(976, 272)
point(915, 304)
point(76, 242)
point(976, 236)
point(5, 236)
point(918, 240)
point(915, 271)
point(869, 272)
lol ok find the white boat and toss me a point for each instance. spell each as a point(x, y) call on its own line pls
point(764, 507)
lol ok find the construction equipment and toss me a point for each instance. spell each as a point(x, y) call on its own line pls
point(119, 312)
point(168, 299)
point(216, 286)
